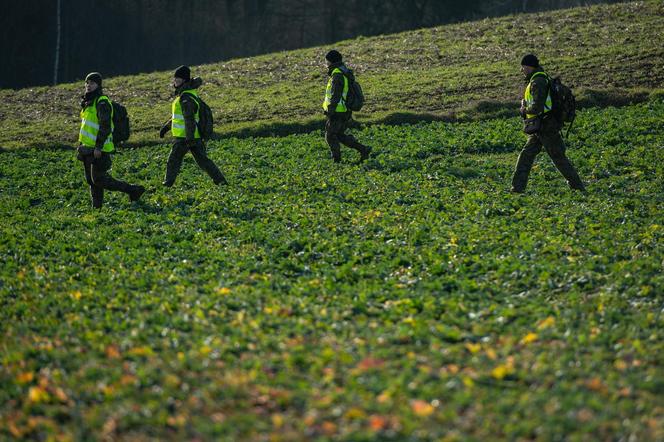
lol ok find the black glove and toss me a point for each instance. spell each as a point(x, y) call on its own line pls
point(163, 131)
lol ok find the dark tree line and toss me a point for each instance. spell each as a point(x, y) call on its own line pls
point(130, 36)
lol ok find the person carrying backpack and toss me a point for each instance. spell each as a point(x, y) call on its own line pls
point(542, 128)
point(96, 143)
point(184, 126)
point(335, 108)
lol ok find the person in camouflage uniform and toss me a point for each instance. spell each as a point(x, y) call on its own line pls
point(334, 106)
point(537, 104)
point(96, 143)
point(183, 125)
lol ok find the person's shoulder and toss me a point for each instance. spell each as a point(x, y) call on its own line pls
point(187, 97)
point(540, 77)
point(103, 100)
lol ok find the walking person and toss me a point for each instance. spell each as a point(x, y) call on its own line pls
point(338, 114)
point(542, 128)
point(183, 125)
point(96, 143)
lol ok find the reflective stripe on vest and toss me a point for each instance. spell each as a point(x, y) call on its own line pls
point(528, 97)
point(87, 135)
point(178, 128)
point(341, 106)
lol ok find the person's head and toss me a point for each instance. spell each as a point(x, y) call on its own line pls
point(333, 57)
point(92, 82)
point(181, 76)
point(529, 64)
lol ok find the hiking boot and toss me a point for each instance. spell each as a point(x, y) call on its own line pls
point(515, 190)
point(168, 183)
point(136, 192)
point(366, 152)
point(221, 182)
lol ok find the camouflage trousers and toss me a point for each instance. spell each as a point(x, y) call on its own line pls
point(98, 178)
point(179, 150)
point(335, 135)
point(555, 147)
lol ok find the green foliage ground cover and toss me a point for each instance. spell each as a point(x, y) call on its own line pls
point(407, 298)
point(609, 53)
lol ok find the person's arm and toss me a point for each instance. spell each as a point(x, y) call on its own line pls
point(104, 113)
point(189, 108)
point(539, 89)
point(337, 92)
point(165, 128)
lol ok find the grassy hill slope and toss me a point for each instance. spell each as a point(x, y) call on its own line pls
point(612, 54)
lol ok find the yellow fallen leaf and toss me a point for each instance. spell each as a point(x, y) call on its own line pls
point(140, 351)
point(38, 395)
point(530, 337)
point(25, 378)
point(355, 413)
point(473, 348)
point(224, 291)
point(384, 397)
point(421, 408)
point(60, 394)
point(277, 420)
point(501, 371)
point(546, 323)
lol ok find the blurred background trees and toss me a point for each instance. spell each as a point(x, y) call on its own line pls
point(131, 36)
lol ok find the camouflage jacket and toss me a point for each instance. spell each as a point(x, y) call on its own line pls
point(539, 89)
point(189, 107)
point(104, 113)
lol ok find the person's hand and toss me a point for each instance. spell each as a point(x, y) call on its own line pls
point(97, 153)
point(163, 131)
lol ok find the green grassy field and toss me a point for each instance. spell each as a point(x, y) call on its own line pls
point(410, 297)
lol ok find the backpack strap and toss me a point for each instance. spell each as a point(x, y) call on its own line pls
point(108, 100)
point(195, 99)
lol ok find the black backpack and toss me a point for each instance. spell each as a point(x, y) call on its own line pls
point(120, 123)
point(205, 118)
point(564, 103)
point(355, 97)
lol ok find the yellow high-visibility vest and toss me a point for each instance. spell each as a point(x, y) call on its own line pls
point(87, 135)
point(341, 106)
point(528, 97)
point(177, 118)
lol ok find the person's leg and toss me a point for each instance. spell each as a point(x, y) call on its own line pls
point(350, 141)
point(104, 180)
point(525, 163)
point(205, 163)
point(332, 127)
point(96, 192)
point(174, 162)
point(555, 147)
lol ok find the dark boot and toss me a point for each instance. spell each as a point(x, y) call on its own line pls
point(97, 194)
point(135, 192)
point(366, 153)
